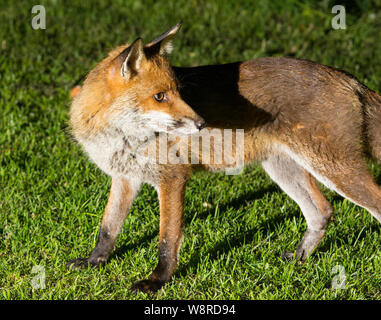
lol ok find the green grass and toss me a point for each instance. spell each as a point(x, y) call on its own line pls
point(52, 198)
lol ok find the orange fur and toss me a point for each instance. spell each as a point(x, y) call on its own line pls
point(303, 121)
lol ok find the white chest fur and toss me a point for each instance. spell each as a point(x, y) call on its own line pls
point(117, 154)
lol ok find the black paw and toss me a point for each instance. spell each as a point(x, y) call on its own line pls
point(78, 263)
point(81, 263)
point(299, 256)
point(146, 286)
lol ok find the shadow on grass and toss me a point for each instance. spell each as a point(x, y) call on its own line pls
point(268, 227)
point(224, 246)
point(230, 242)
point(236, 240)
point(144, 240)
point(235, 204)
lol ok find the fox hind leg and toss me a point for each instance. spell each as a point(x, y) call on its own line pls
point(302, 188)
point(349, 177)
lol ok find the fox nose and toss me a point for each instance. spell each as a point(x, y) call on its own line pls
point(200, 124)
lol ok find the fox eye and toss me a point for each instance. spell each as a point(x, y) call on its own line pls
point(160, 96)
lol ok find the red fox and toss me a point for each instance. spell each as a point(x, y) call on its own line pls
point(303, 121)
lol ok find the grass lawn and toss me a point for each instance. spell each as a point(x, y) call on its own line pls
point(236, 227)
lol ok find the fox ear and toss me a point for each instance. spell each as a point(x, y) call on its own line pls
point(162, 44)
point(130, 59)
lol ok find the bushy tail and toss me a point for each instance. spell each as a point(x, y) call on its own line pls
point(372, 105)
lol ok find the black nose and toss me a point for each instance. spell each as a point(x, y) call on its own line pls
point(200, 124)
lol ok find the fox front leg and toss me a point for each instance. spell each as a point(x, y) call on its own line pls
point(122, 195)
point(171, 197)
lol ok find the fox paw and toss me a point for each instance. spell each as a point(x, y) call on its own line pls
point(299, 256)
point(146, 286)
point(82, 263)
point(78, 263)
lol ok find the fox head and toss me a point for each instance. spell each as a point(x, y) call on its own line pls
point(134, 89)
